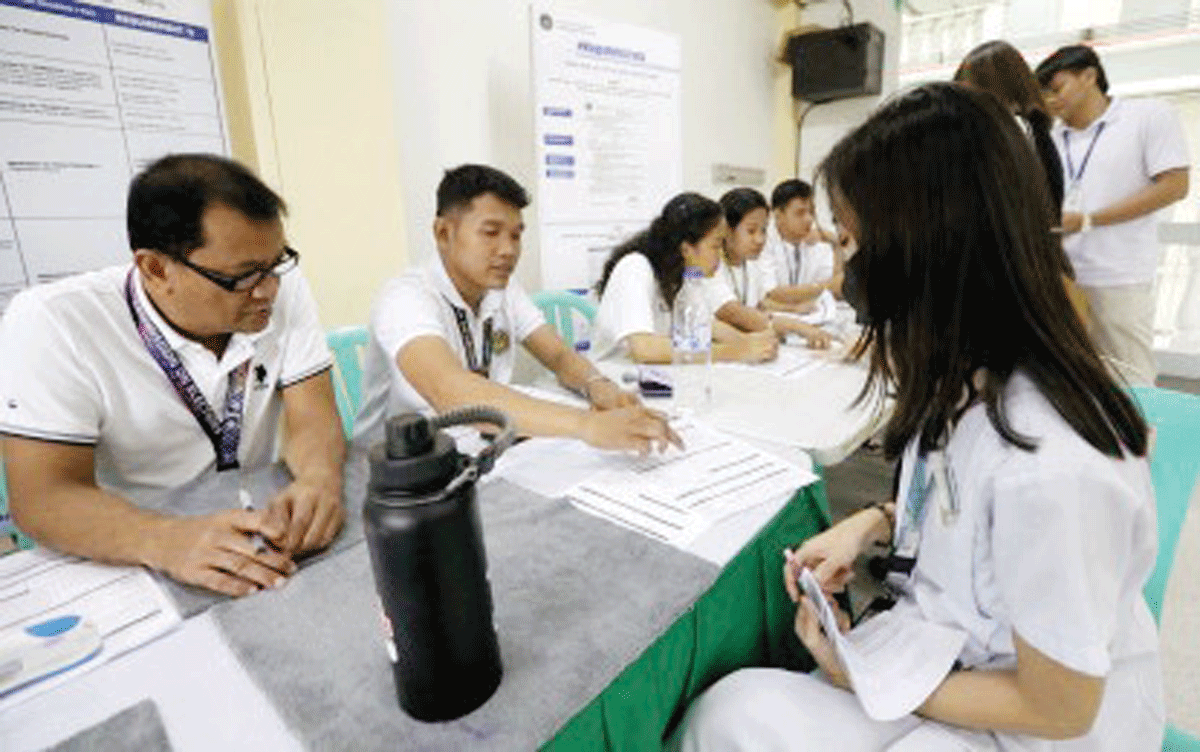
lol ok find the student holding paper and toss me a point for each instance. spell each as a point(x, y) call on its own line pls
point(738, 288)
point(1025, 516)
point(644, 274)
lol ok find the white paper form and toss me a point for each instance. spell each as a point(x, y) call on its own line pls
point(125, 604)
point(894, 661)
point(675, 496)
point(792, 362)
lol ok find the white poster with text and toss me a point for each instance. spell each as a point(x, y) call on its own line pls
point(609, 137)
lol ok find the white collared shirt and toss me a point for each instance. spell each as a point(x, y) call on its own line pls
point(748, 283)
point(421, 302)
point(1055, 545)
point(76, 371)
point(631, 304)
point(795, 263)
point(1141, 138)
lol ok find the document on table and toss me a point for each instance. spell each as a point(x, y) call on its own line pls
point(675, 496)
point(125, 604)
point(894, 661)
point(792, 362)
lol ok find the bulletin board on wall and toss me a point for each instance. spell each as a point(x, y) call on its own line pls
point(90, 93)
point(608, 124)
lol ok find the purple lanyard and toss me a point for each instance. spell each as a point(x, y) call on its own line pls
point(1073, 176)
point(483, 364)
point(224, 433)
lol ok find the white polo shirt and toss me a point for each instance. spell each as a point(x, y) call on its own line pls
point(748, 283)
point(631, 304)
point(795, 263)
point(76, 371)
point(421, 302)
point(1141, 138)
point(1055, 545)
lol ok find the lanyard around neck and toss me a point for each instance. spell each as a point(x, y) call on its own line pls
point(743, 291)
point(224, 433)
point(794, 262)
point(482, 364)
point(1072, 175)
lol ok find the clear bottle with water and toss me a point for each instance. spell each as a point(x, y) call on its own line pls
point(691, 340)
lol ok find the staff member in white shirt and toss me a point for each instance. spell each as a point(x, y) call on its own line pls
point(644, 274)
point(1026, 516)
point(144, 377)
point(443, 336)
point(1123, 160)
point(737, 289)
point(804, 264)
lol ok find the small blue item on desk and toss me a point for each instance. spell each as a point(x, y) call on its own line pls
point(38, 651)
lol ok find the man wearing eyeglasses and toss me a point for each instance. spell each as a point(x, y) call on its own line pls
point(124, 384)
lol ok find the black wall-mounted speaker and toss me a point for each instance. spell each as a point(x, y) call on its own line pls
point(836, 63)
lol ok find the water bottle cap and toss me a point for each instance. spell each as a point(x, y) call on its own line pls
point(414, 459)
point(693, 272)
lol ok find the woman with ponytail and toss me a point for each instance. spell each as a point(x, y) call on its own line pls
point(644, 274)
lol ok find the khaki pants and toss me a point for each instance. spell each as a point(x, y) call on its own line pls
point(1122, 327)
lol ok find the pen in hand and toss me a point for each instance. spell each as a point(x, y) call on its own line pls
point(260, 545)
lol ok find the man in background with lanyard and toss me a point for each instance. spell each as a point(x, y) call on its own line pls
point(444, 335)
point(1123, 160)
point(800, 255)
point(122, 385)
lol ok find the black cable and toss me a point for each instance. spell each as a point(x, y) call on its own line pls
point(799, 125)
point(849, 12)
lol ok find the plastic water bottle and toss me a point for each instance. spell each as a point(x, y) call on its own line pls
point(691, 340)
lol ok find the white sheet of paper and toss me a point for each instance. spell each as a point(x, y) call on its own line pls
point(793, 361)
point(124, 603)
point(677, 495)
point(894, 661)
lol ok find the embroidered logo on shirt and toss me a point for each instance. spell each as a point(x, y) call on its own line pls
point(12, 404)
point(500, 341)
point(260, 376)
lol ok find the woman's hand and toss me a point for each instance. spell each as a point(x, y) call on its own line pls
point(831, 554)
point(758, 347)
point(819, 645)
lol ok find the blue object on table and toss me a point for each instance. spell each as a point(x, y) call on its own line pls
point(1174, 467)
point(44, 649)
point(349, 345)
point(7, 528)
point(559, 307)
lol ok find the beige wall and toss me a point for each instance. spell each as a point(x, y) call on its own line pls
point(309, 104)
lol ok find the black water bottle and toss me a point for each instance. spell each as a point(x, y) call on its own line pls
point(423, 531)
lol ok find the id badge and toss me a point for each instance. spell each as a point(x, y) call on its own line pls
point(1073, 199)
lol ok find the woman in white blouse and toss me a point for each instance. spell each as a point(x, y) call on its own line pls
point(644, 274)
point(1025, 519)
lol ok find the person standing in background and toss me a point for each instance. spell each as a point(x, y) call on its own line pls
point(1123, 160)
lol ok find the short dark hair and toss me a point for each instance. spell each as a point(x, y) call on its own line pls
point(959, 272)
point(1075, 58)
point(788, 191)
point(738, 202)
point(687, 217)
point(463, 184)
point(167, 200)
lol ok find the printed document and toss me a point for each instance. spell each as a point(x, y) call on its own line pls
point(894, 661)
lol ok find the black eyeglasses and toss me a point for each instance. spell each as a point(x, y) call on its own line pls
point(249, 280)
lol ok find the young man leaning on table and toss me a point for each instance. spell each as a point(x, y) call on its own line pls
point(142, 378)
point(443, 335)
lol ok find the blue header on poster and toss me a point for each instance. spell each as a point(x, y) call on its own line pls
point(124, 19)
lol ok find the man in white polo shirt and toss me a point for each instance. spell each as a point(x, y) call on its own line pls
point(803, 266)
point(1123, 160)
point(139, 379)
point(443, 335)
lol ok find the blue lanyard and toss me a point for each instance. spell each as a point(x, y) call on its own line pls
point(224, 433)
point(1071, 174)
point(914, 504)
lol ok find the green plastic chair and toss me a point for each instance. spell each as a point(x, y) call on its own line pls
point(7, 528)
point(349, 345)
point(1174, 467)
point(559, 308)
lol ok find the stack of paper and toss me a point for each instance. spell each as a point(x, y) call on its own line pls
point(792, 362)
point(124, 604)
point(675, 496)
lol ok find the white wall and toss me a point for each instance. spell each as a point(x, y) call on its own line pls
point(461, 71)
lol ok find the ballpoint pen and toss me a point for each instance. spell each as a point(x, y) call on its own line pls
point(247, 503)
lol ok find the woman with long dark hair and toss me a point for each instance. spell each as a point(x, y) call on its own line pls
point(1025, 516)
point(644, 274)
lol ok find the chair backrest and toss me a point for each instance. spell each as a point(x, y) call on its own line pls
point(1174, 467)
point(349, 345)
point(7, 528)
point(559, 308)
